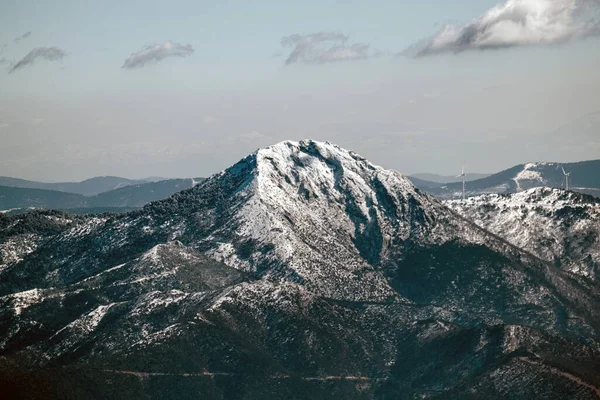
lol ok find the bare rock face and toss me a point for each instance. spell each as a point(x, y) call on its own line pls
point(303, 271)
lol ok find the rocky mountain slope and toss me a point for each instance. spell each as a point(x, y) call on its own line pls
point(585, 178)
point(21, 234)
point(303, 271)
point(557, 226)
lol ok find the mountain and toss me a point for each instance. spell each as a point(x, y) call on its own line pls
point(140, 194)
point(21, 234)
point(89, 187)
point(303, 271)
point(128, 197)
point(436, 178)
point(555, 225)
point(155, 178)
point(13, 197)
point(423, 184)
point(585, 178)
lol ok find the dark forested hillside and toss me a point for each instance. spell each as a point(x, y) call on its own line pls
point(125, 198)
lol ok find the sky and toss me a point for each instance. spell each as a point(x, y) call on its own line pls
point(184, 88)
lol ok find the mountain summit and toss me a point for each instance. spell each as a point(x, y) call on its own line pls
point(302, 271)
point(325, 213)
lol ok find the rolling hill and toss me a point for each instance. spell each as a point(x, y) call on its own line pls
point(436, 178)
point(122, 199)
point(88, 187)
point(585, 178)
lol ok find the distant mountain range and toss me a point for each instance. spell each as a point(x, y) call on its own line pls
point(584, 178)
point(447, 178)
point(88, 187)
point(117, 200)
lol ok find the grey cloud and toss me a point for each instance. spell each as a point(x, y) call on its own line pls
point(324, 47)
point(156, 53)
point(515, 23)
point(23, 36)
point(47, 53)
point(5, 61)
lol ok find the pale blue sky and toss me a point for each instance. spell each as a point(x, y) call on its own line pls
point(84, 115)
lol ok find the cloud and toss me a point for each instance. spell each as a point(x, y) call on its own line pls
point(47, 53)
point(324, 47)
point(515, 23)
point(23, 36)
point(209, 120)
point(253, 136)
point(156, 53)
point(6, 61)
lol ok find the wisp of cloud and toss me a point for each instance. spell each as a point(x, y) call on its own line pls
point(514, 23)
point(324, 47)
point(23, 36)
point(156, 53)
point(5, 61)
point(47, 53)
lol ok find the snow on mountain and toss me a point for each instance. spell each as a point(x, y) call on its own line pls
point(558, 226)
point(530, 175)
point(324, 213)
point(15, 248)
point(584, 178)
point(312, 270)
point(306, 212)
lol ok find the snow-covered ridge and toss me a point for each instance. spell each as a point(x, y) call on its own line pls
point(556, 225)
point(321, 211)
point(550, 198)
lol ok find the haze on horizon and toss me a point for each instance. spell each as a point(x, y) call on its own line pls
point(187, 88)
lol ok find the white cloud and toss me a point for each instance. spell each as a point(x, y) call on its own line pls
point(209, 120)
point(516, 23)
point(253, 136)
point(325, 47)
point(23, 36)
point(156, 53)
point(47, 53)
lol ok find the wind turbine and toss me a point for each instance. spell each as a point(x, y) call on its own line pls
point(462, 175)
point(566, 178)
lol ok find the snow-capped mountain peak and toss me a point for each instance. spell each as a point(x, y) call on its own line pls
point(297, 193)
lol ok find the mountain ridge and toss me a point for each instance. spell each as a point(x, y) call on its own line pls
point(130, 196)
point(88, 187)
point(557, 226)
point(583, 179)
point(344, 270)
point(442, 179)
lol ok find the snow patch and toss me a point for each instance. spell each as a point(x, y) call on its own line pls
point(23, 300)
